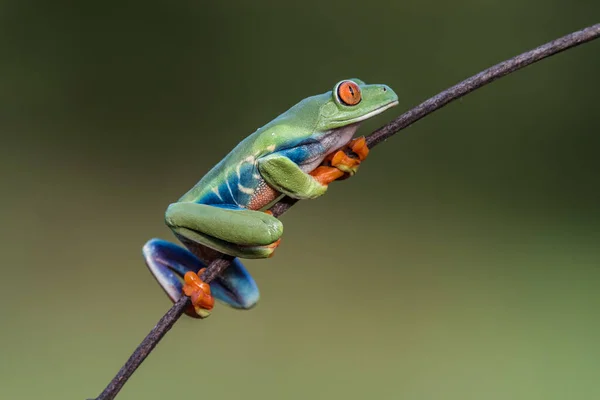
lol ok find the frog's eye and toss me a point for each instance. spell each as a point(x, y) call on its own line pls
point(349, 93)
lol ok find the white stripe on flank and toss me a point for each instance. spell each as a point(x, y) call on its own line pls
point(244, 189)
point(231, 193)
point(249, 160)
point(216, 191)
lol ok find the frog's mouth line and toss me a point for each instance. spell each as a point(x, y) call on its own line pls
point(376, 111)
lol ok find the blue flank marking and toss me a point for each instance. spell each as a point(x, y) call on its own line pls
point(232, 197)
point(298, 154)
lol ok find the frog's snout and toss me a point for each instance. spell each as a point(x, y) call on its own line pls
point(387, 93)
point(385, 89)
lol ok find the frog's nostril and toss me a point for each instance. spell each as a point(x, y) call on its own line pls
point(384, 89)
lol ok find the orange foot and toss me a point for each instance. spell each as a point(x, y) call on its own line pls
point(199, 293)
point(349, 165)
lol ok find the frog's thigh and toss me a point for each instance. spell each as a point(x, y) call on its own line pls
point(286, 176)
point(238, 232)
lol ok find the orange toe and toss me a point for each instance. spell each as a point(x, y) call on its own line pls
point(341, 159)
point(359, 146)
point(325, 175)
point(327, 160)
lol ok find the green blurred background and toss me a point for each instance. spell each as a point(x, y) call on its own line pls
point(462, 262)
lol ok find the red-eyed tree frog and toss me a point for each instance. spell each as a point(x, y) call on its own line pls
point(297, 154)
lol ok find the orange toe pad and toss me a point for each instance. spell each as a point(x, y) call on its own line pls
point(199, 292)
point(359, 146)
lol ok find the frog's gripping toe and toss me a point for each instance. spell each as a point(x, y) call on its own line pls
point(359, 147)
point(325, 174)
point(344, 163)
point(349, 165)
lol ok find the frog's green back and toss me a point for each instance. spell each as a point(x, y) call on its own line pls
point(233, 180)
point(289, 128)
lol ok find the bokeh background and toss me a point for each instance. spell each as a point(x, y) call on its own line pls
point(462, 262)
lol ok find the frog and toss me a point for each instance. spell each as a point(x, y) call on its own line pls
point(297, 154)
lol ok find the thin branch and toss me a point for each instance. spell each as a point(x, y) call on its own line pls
point(427, 107)
point(483, 78)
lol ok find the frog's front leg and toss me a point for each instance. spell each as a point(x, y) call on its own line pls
point(234, 231)
point(285, 176)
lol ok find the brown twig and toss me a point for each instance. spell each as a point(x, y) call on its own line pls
point(380, 135)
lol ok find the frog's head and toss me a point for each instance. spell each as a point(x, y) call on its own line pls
point(352, 101)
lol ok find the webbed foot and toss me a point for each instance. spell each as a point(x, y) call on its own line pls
point(169, 263)
point(341, 161)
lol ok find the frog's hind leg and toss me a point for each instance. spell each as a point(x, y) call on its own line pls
point(231, 230)
point(169, 263)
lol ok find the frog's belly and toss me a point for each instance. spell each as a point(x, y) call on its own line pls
point(263, 195)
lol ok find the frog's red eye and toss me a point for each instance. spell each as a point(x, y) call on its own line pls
point(349, 93)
